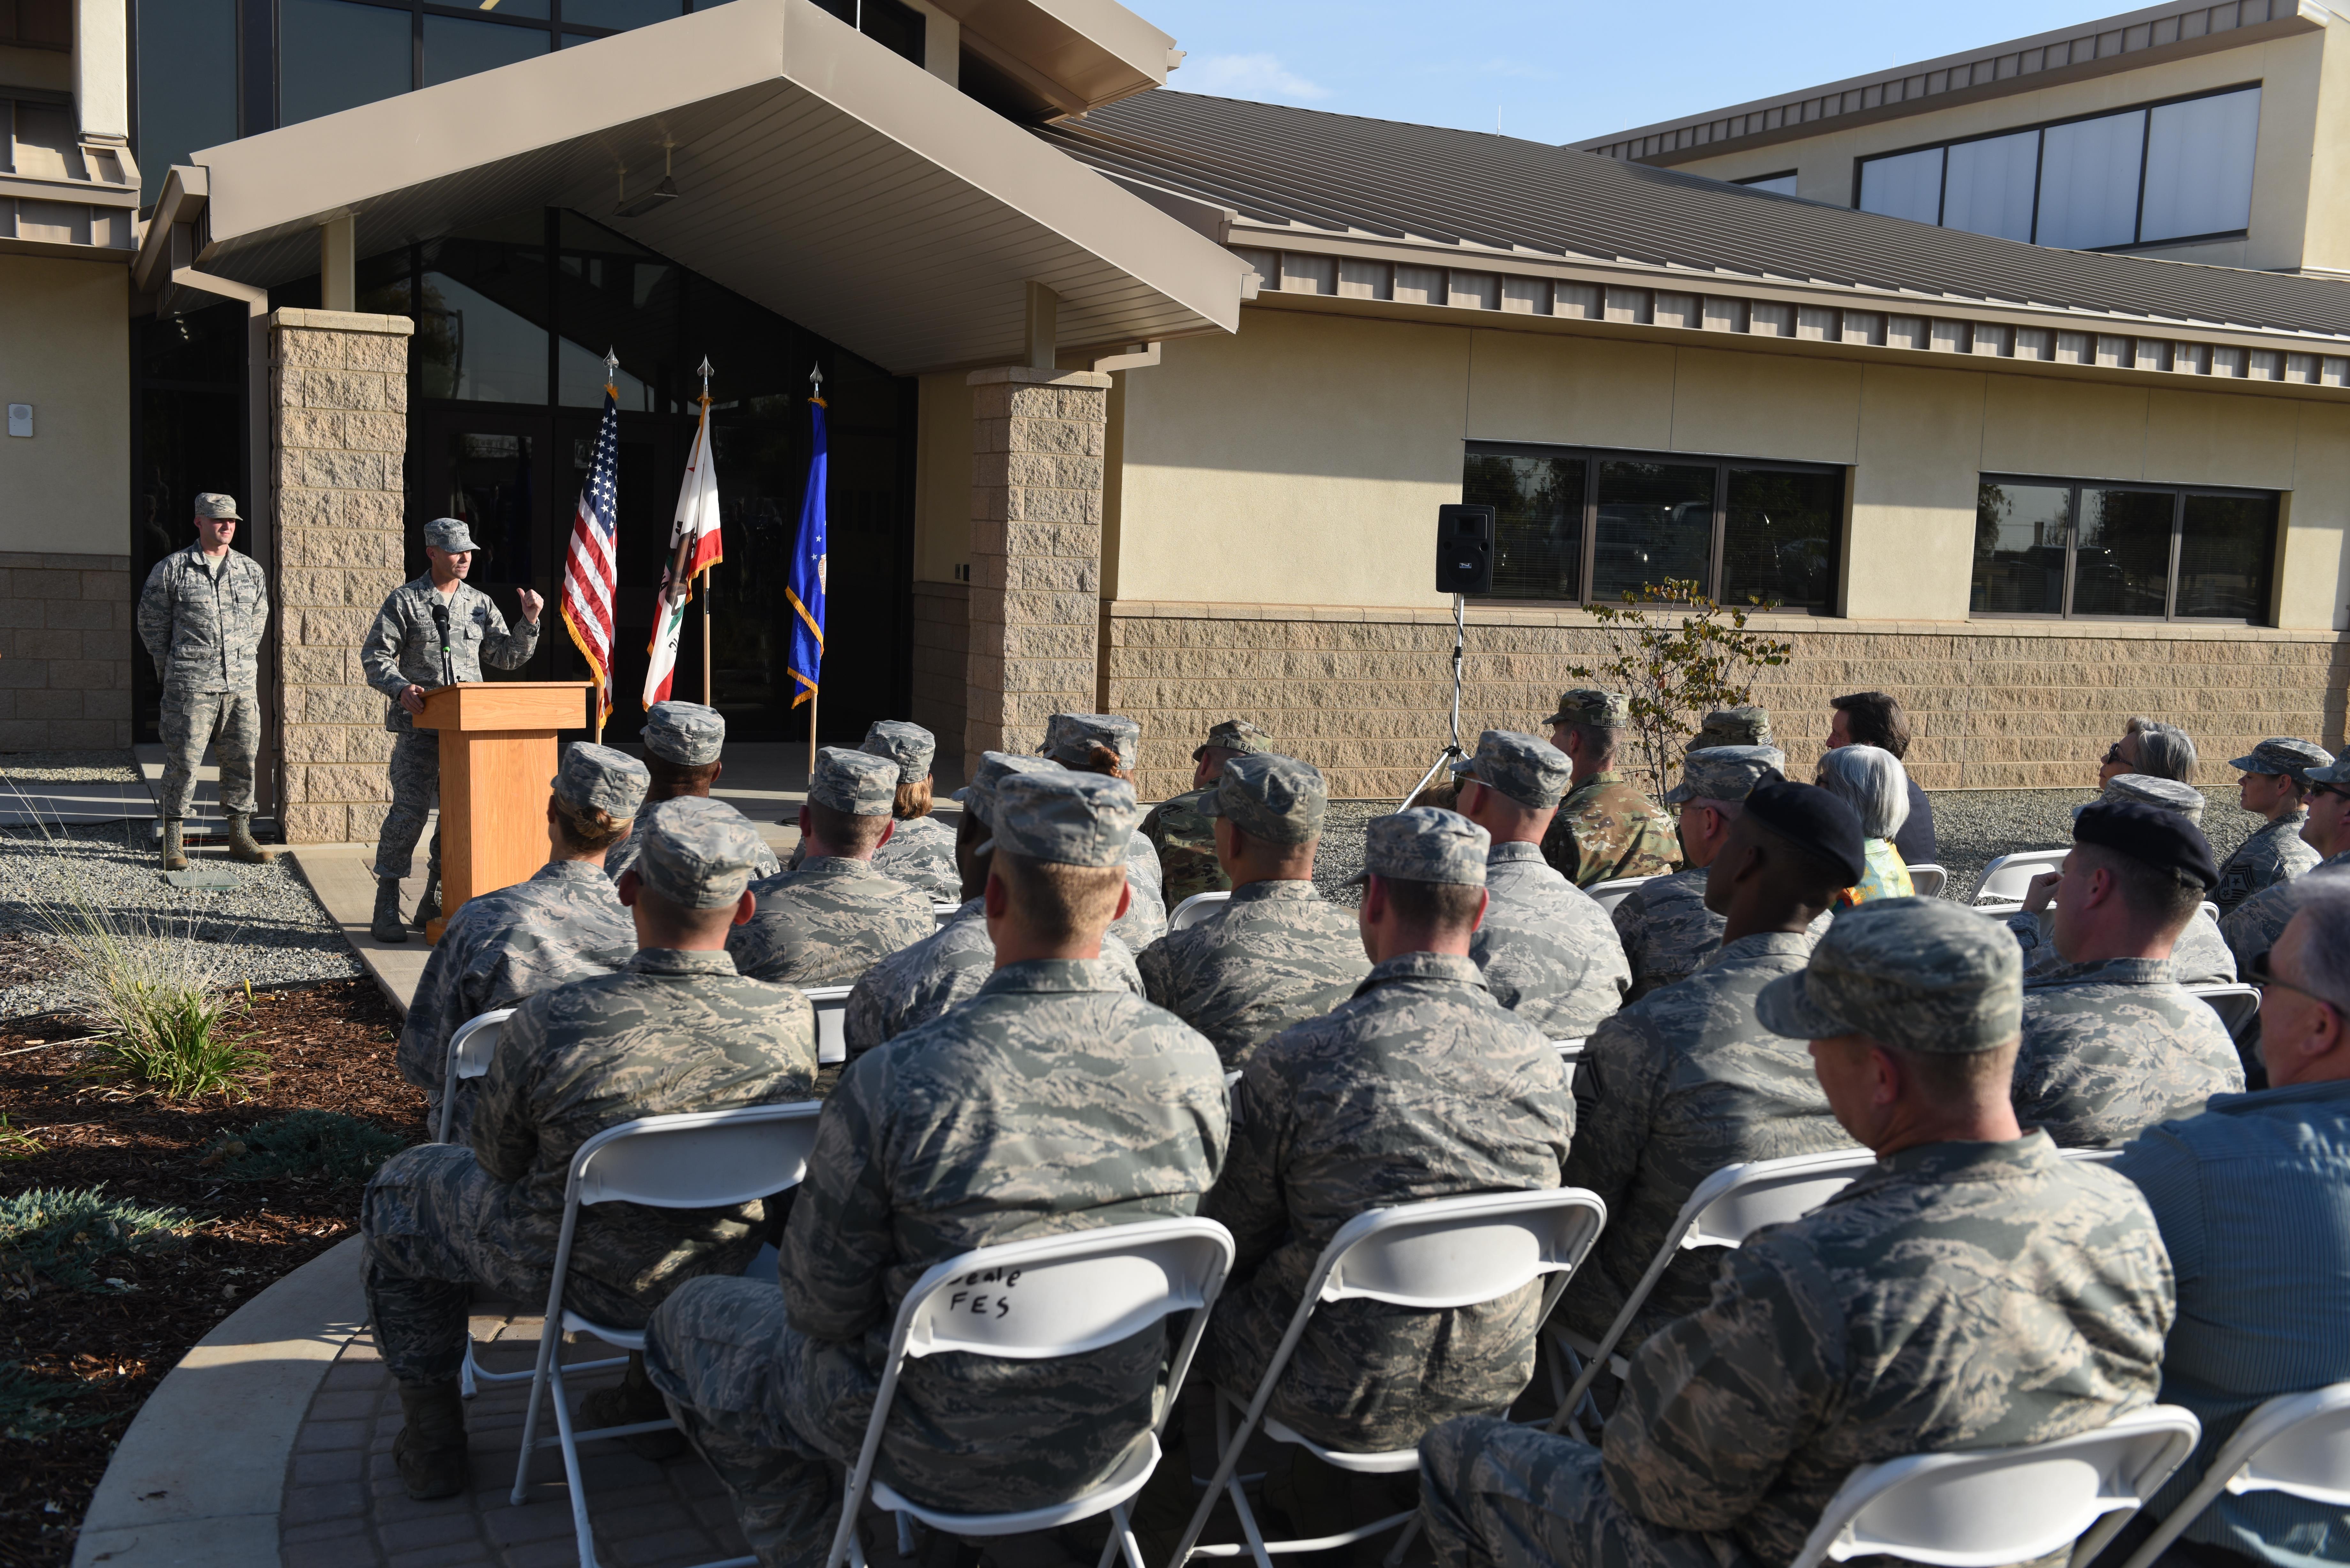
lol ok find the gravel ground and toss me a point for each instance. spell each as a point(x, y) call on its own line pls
point(66, 767)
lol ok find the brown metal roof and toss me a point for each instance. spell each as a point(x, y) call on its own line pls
point(1338, 174)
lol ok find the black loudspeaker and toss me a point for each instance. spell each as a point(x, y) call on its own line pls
point(1464, 549)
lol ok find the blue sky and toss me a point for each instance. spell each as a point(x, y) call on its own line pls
point(1564, 72)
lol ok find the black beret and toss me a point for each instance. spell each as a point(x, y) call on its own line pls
point(1815, 820)
point(2149, 834)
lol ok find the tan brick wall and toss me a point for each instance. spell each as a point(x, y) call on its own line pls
point(942, 643)
point(1037, 441)
point(338, 386)
point(65, 643)
point(1363, 693)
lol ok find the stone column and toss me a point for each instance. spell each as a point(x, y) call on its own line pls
point(338, 429)
point(1037, 444)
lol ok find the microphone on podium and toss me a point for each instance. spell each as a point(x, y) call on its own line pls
point(441, 619)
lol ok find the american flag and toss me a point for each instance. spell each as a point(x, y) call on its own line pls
point(592, 570)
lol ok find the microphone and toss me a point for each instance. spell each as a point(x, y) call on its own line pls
point(441, 619)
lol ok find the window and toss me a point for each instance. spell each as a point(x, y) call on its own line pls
point(334, 55)
point(37, 23)
point(2152, 175)
point(187, 84)
point(1614, 521)
point(1777, 185)
point(457, 46)
point(897, 28)
point(2058, 548)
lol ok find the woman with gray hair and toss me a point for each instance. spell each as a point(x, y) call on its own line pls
point(1872, 782)
point(2149, 746)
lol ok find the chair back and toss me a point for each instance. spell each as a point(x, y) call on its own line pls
point(1448, 1253)
point(1611, 894)
point(2004, 879)
point(1739, 1199)
point(470, 1050)
point(1925, 881)
point(2209, 910)
point(831, 1022)
point(2298, 1445)
point(1065, 1296)
point(697, 1159)
point(2237, 1005)
point(1995, 1506)
point(1570, 1051)
point(943, 912)
point(1197, 907)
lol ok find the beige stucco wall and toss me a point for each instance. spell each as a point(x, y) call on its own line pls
point(2301, 180)
point(65, 326)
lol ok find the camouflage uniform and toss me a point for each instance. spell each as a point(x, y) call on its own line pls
point(1667, 1092)
point(2275, 852)
point(689, 736)
point(203, 627)
point(2201, 957)
point(403, 649)
point(1749, 725)
point(2113, 1047)
point(1185, 838)
point(1666, 929)
point(1069, 740)
point(1607, 830)
point(1420, 1086)
point(915, 984)
point(1053, 1101)
point(832, 917)
point(2256, 923)
point(921, 851)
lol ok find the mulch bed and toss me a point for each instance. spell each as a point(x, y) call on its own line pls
point(330, 1048)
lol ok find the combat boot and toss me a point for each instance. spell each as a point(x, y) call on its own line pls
point(633, 1399)
point(175, 853)
point(386, 927)
point(431, 1448)
point(241, 845)
point(428, 908)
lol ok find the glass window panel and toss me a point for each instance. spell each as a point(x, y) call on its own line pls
point(2019, 539)
point(491, 487)
point(2198, 166)
point(2121, 565)
point(2088, 181)
point(1655, 524)
point(187, 84)
point(1777, 185)
point(1779, 538)
point(455, 47)
point(895, 27)
point(620, 14)
point(481, 330)
point(2226, 548)
point(1989, 188)
point(334, 55)
point(611, 293)
point(537, 10)
point(1906, 185)
point(1538, 522)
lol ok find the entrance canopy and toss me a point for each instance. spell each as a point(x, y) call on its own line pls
point(819, 173)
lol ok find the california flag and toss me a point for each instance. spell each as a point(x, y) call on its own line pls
point(694, 538)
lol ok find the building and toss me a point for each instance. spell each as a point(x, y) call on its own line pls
point(1145, 399)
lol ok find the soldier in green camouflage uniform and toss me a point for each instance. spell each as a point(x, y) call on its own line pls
point(1973, 1290)
point(1606, 829)
point(202, 615)
point(1053, 1101)
point(2200, 956)
point(915, 984)
point(1278, 951)
point(832, 917)
point(565, 923)
point(1747, 725)
point(1421, 1086)
point(921, 851)
point(1546, 948)
point(1185, 838)
point(2254, 925)
point(1110, 743)
point(678, 1029)
point(2275, 780)
point(681, 740)
point(1685, 1082)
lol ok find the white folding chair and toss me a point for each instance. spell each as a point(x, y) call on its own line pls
point(2237, 1005)
point(1991, 1506)
point(943, 912)
point(697, 1159)
point(2005, 880)
point(470, 1050)
point(1431, 1256)
point(831, 1022)
point(1195, 908)
point(1063, 1295)
point(1925, 881)
point(2298, 1444)
point(1570, 1051)
point(1611, 894)
point(2209, 910)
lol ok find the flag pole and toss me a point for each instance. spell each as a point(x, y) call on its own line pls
point(815, 394)
point(709, 578)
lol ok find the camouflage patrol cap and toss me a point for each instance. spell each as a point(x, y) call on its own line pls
point(910, 746)
point(448, 534)
point(1422, 844)
point(597, 778)
point(978, 797)
point(858, 783)
point(686, 733)
point(1532, 772)
point(1064, 818)
point(2168, 793)
point(1069, 738)
point(1919, 973)
point(1743, 726)
point(698, 853)
point(1278, 799)
point(2283, 754)
point(1235, 735)
point(2336, 773)
point(1584, 705)
point(1726, 773)
point(213, 503)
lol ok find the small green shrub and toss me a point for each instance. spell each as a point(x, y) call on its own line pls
point(33, 1407)
point(170, 1037)
point(1676, 670)
point(57, 1235)
point(307, 1143)
point(17, 1143)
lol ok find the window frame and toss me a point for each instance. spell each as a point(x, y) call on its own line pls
point(1587, 542)
point(2179, 494)
point(2040, 128)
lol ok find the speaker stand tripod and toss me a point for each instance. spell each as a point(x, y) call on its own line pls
point(1453, 752)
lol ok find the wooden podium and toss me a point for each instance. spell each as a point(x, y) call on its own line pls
point(497, 753)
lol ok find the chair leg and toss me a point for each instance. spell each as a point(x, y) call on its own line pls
point(1121, 1534)
point(1228, 1445)
point(1250, 1533)
point(467, 1387)
point(1394, 1558)
point(570, 1450)
point(539, 1380)
point(905, 1535)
